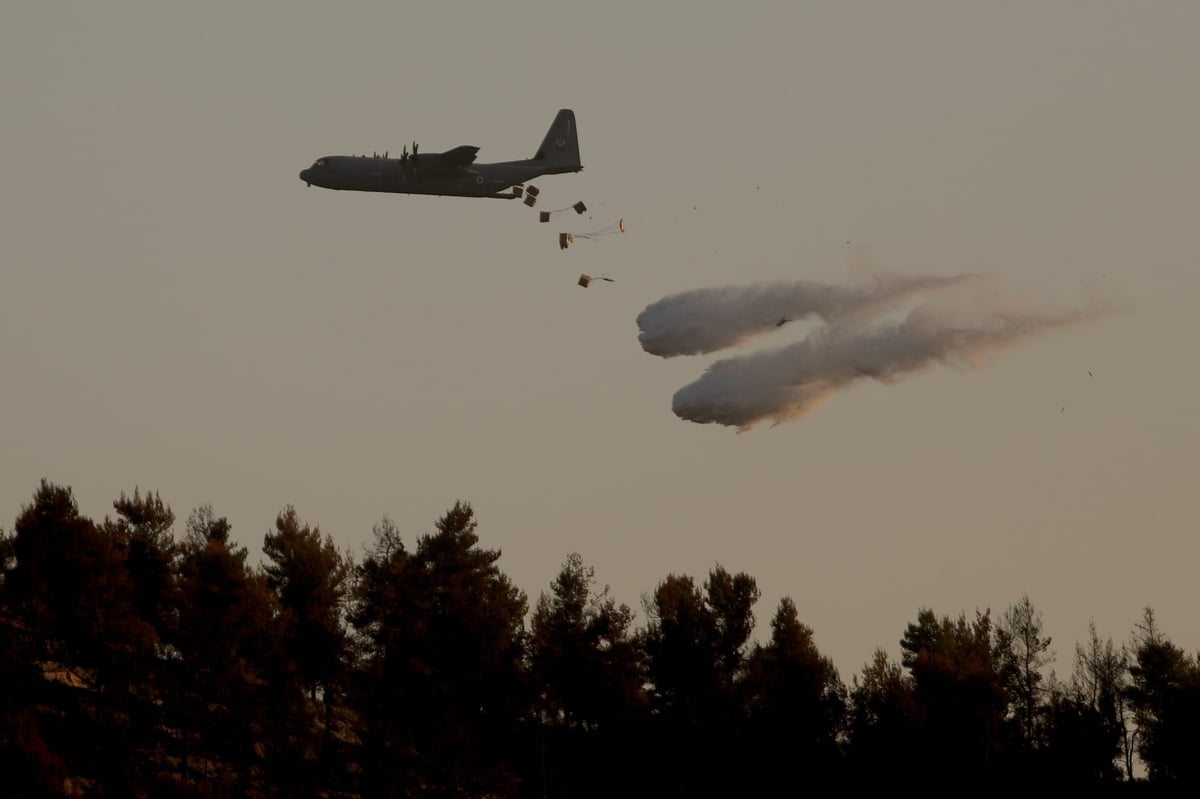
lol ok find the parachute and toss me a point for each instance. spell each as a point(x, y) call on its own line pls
point(579, 208)
point(565, 240)
point(585, 279)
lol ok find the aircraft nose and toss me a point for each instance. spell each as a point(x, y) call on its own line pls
point(304, 175)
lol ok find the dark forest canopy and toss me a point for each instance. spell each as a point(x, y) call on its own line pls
point(139, 662)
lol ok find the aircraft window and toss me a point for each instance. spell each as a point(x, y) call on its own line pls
point(320, 162)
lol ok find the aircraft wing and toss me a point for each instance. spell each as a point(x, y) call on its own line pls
point(459, 156)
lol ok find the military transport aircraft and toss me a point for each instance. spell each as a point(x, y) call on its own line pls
point(453, 172)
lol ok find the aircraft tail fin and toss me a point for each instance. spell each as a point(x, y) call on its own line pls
point(560, 148)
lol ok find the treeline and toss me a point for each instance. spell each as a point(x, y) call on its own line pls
point(134, 663)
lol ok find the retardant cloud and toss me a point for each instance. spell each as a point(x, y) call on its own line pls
point(854, 343)
point(710, 319)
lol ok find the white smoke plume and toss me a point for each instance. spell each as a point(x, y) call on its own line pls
point(710, 319)
point(788, 382)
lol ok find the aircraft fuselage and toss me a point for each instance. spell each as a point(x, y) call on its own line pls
point(409, 176)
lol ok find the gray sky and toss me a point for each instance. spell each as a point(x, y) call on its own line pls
point(179, 313)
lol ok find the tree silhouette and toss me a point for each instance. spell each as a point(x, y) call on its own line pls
point(143, 532)
point(586, 672)
point(387, 612)
point(1165, 694)
point(958, 691)
point(797, 704)
point(695, 646)
point(224, 703)
point(1089, 729)
point(142, 536)
point(29, 763)
point(882, 728)
point(70, 582)
point(1023, 653)
point(309, 579)
point(70, 587)
point(133, 664)
point(445, 648)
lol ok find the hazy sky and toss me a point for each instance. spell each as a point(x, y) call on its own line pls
point(179, 312)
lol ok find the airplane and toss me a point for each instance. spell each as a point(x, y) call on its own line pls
point(452, 173)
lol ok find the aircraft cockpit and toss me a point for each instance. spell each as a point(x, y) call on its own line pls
point(307, 175)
